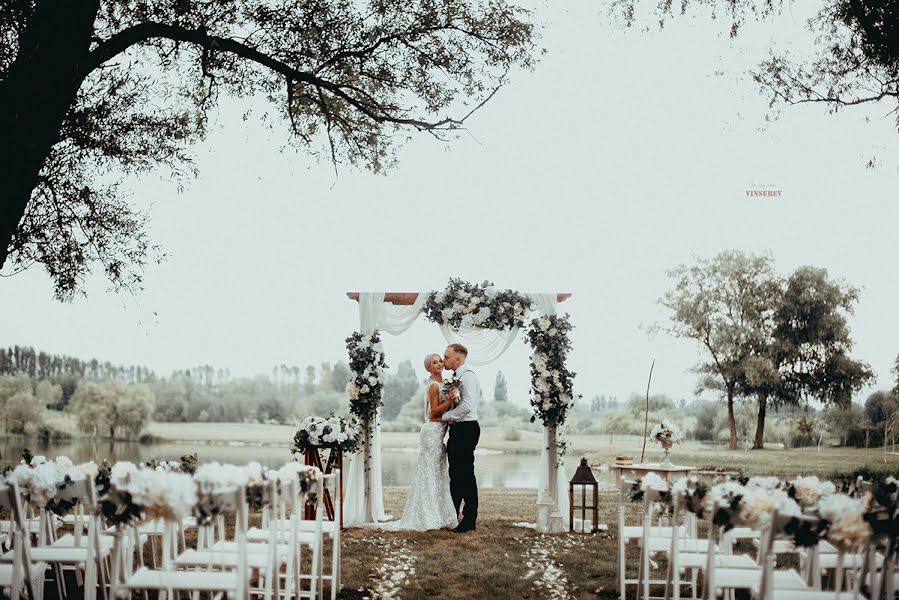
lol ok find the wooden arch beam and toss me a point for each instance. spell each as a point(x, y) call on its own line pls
point(409, 298)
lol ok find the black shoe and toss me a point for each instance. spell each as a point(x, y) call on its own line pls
point(464, 528)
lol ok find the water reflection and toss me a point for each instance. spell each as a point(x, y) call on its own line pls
point(493, 470)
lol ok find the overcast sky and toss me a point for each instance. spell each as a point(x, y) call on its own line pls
point(623, 154)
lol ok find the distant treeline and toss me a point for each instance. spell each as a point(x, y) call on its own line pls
point(67, 371)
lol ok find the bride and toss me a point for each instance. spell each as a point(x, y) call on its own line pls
point(429, 505)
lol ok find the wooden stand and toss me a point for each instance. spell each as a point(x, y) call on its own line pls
point(335, 460)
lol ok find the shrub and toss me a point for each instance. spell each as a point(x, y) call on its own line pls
point(510, 434)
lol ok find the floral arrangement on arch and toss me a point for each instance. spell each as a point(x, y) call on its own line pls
point(666, 433)
point(552, 389)
point(366, 385)
point(325, 432)
point(477, 305)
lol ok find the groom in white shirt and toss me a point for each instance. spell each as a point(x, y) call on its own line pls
point(463, 438)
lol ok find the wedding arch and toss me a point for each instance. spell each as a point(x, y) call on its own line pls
point(487, 321)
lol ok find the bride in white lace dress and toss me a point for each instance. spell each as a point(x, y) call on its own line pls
point(429, 505)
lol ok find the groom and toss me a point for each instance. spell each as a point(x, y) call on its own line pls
point(463, 437)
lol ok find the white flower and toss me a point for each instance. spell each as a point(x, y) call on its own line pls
point(764, 483)
point(758, 504)
point(809, 490)
point(848, 529)
point(653, 481)
point(63, 462)
point(90, 469)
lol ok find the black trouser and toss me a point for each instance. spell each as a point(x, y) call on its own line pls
point(463, 438)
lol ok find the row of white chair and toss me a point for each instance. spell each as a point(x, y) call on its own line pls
point(725, 573)
point(109, 560)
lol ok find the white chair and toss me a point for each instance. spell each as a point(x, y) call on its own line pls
point(689, 556)
point(770, 588)
point(18, 571)
point(299, 534)
point(630, 533)
point(218, 578)
point(719, 580)
point(264, 559)
point(76, 551)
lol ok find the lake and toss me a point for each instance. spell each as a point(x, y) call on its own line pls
point(493, 469)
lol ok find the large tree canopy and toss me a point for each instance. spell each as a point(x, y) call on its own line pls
point(94, 89)
point(855, 61)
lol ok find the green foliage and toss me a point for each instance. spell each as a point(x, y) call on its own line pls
point(399, 389)
point(135, 83)
point(48, 394)
point(112, 408)
point(17, 403)
point(500, 388)
point(811, 341)
point(880, 406)
point(21, 410)
point(854, 61)
point(725, 304)
point(636, 404)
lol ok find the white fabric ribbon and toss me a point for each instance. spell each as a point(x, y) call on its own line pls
point(375, 314)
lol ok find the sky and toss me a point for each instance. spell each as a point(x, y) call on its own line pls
point(623, 154)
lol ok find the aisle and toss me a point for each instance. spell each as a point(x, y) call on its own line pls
point(499, 561)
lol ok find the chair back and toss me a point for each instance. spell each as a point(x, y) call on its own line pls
point(10, 499)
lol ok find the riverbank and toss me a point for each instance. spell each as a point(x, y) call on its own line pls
point(598, 449)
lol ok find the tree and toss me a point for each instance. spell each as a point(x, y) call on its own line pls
point(725, 305)
point(12, 385)
point(807, 355)
point(112, 407)
point(399, 389)
point(133, 410)
point(842, 419)
point(896, 373)
point(48, 394)
point(309, 387)
point(854, 63)
point(500, 388)
point(880, 406)
point(94, 405)
point(21, 409)
point(95, 86)
point(340, 376)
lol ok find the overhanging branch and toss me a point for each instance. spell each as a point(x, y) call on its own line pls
point(125, 39)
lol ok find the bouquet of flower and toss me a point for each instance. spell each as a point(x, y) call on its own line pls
point(453, 383)
point(807, 491)
point(325, 432)
point(666, 433)
point(168, 495)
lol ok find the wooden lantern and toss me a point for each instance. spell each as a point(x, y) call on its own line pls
point(583, 488)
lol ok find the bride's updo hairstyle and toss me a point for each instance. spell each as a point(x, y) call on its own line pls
point(428, 361)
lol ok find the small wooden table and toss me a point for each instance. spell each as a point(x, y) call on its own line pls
point(639, 470)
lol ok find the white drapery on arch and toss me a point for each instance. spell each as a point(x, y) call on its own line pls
point(484, 346)
point(374, 314)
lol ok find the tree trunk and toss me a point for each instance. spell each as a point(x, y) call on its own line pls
point(731, 421)
point(760, 424)
point(39, 88)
